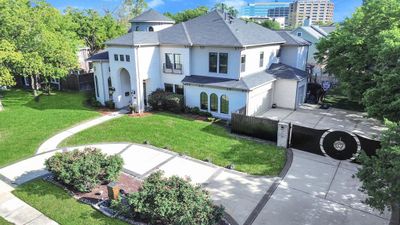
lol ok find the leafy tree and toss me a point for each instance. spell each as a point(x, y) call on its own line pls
point(229, 9)
point(271, 24)
point(129, 9)
point(363, 53)
point(187, 14)
point(42, 35)
point(380, 174)
point(94, 29)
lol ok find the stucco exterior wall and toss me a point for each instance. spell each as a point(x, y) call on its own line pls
point(200, 59)
point(260, 99)
point(101, 86)
point(253, 58)
point(295, 56)
point(285, 93)
point(237, 99)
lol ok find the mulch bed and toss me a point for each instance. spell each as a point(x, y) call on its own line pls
point(140, 114)
point(106, 111)
point(126, 182)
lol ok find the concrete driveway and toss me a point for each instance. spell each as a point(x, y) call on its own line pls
point(332, 118)
point(318, 190)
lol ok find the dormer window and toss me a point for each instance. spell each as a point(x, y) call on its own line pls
point(151, 29)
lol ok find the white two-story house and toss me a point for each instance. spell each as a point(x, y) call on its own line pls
point(219, 63)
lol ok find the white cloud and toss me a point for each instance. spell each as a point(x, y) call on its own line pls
point(155, 3)
point(235, 3)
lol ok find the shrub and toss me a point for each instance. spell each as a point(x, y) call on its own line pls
point(161, 100)
point(110, 104)
point(83, 170)
point(173, 201)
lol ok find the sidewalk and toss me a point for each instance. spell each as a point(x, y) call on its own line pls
point(53, 142)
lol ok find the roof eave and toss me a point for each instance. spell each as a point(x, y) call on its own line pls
point(214, 86)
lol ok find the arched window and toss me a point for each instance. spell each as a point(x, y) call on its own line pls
point(96, 86)
point(203, 101)
point(137, 28)
point(214, 102)
point(151, 29)
point(224, 104)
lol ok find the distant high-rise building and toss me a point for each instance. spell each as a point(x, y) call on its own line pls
point(314, 11)
point(262, 10)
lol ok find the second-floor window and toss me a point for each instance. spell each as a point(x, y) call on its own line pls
point(243, 63)
point(218, 62)
point(173, 63)
point(121, 58)
point(261, 59)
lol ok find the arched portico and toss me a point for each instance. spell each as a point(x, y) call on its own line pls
point(126, 89)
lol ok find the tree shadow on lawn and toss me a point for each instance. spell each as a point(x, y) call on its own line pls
point(65, 101)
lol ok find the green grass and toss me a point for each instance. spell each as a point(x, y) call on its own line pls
point(197, 139)
point(25, 123)
point(335, 98)
point(58, 205)
point(4, 222)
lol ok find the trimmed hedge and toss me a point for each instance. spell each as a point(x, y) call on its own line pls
point(171, 200)
point(83, 170)
point(161, 100)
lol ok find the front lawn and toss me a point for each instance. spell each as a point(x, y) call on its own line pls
point(4, 221)
point(25, 123)
point(59, 206)
point(198, 139)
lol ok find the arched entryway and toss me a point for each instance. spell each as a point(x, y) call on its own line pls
point(126, 95)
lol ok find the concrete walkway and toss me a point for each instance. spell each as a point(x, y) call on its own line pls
point(319, 190)
point(53, 142)
point(239, 193)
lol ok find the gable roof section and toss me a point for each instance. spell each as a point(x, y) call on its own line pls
point(292, 40)
point(100, 56)
point(152, 16)
point(135, 38)
point(283, 71)
point(328, 29)
point(175, 35)
point(311, 31)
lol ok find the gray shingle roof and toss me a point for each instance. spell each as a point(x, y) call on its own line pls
point(135, 38)
point(284, 71)
point(328, 29)
point(246, 83)
point(176, 34)
point(152, 16)
point(100, 56)
point(292, 40)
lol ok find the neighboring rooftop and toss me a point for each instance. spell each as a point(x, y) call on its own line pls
point(212, 29)
point(284, 71)
point(292, 40)
point(100, 56)
point(152, 15)
point(328, 29)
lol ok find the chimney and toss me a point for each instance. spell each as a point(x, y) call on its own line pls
point(307, 21)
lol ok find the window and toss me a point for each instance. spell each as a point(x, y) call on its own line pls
point(179, 89)
point(137, 28)
point(224, 104)
point(121, 58)
point(96, 86)
point(168, 87)
point(223, 62)
point(203, 101)
point(128, 58)
point(168, 60)
point(214, 102)
point(115, 57)
point(109, 88)
point(151, 29)
point(243, 63)
point(299, 34)
point(177, 61)
point(278, 54)
point(212, 62)
point(261, 59)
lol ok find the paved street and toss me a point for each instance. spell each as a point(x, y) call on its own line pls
point(337, 119)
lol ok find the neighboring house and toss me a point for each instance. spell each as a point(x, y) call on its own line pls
point(80, 79)
point(313, 34)
point(219, 63)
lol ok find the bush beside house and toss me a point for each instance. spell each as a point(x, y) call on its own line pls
point(83, 170)
point(170, 201)
point(162, 100)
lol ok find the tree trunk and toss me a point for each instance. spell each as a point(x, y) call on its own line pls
point(34, 85)
point(1, 106)
point(395, 218)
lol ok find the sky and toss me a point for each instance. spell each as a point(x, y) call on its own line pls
point(343, 8)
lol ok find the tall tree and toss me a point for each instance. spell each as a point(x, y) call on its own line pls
point(380, 174)
point(363, 54)
point(271, 24)
point(229, 9)
point(187, 14)
point(94, 29)
point(129, 9)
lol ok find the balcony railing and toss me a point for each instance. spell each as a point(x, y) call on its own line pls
point(175, 68)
